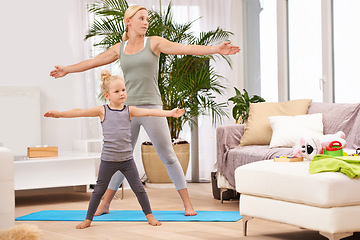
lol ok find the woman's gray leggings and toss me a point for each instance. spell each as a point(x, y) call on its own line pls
point(158, 131)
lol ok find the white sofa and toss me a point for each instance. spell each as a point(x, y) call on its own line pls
point(328, 202)
point(7, 199)
point(286, 192)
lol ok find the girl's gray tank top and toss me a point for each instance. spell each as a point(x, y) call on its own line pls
point(141, 75)
point(117, 135)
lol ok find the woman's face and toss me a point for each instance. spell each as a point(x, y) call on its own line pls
point(139, 23)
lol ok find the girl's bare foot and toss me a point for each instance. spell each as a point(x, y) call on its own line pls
point(85, 224)
point(102, 209)
point(152, 221)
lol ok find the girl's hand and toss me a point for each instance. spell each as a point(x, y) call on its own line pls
point(53, 114)
point(176, 112)
point(58, 72)
point(226, 48)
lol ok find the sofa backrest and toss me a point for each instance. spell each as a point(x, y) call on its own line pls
point(340, 117)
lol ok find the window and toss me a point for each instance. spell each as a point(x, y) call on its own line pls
point(319, 40)
point(346, 50)
point(268, 52)
point(305, 51)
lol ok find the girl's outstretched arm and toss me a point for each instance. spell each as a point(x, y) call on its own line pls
point(91, 112)
point(144, 112)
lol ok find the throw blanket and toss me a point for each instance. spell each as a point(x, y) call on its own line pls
point(349, 165)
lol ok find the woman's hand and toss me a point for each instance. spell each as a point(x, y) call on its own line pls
point(58, 72)
point(176, 112)
point(53, 114)
point(226, 48)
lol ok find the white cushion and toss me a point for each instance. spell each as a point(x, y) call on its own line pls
point(293, 182)
point(287, 130)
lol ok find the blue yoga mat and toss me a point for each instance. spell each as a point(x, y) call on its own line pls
point(132, 215)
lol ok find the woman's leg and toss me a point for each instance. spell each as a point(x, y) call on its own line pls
point(117, 178)
point(161, 140)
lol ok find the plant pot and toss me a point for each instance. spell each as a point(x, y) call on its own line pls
point(155, 169)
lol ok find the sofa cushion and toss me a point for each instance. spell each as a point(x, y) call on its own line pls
point(292, 182)
point(340, 117)
point(257, 128)
point(287, 130)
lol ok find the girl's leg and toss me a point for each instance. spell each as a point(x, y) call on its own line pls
point(106, 170)
point(118, 177)
point(161, 140)
point(132, 175)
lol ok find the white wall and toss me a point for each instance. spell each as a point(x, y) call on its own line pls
point(36, 36)
point(45, 33)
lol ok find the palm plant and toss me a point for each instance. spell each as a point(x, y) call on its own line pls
point(185, 81)
point(242, 105)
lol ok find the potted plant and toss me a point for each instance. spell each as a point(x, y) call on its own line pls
point(185, 81)
point(242, 102)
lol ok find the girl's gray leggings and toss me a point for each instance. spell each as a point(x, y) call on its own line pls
point(158, 131)
point(106, 170)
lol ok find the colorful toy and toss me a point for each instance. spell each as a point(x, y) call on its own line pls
point(307, 148)
point(325, 140)
point(357, 153)
point(289, 158)
point(335, 148)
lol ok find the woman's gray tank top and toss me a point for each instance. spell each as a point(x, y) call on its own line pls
point(141, 75)
point(117, 132)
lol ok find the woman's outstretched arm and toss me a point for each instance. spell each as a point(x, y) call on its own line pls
point(109, 56)
point(165, 46)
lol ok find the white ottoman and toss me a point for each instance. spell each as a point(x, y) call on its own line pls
point(286, 192)
point(7, 199)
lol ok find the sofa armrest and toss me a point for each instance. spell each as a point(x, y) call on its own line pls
point(227, 137)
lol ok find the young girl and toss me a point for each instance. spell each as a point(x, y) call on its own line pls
point(117, 149)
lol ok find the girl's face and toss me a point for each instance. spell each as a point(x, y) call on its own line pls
point(117, 92)
point(139, 23)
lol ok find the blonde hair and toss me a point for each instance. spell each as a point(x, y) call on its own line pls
point(129, 13)
point(106, 78)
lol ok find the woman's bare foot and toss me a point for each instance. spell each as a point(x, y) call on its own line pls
point(102, 209)
point(104, 206)
point(189, 211)
point(152, 221)
point(85, 224)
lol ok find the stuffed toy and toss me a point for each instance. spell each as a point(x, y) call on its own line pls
point(309, 147)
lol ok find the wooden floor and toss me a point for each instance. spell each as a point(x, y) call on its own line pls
point(161, 199)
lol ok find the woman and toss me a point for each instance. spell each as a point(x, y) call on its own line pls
point(139, 60)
